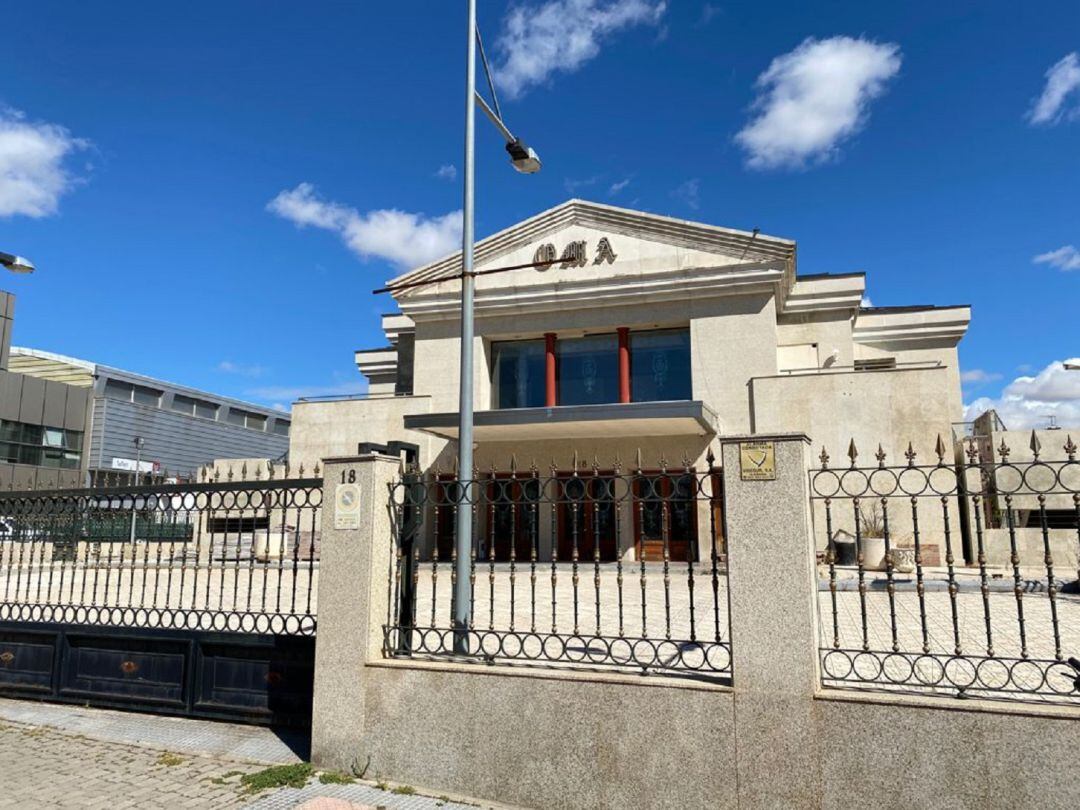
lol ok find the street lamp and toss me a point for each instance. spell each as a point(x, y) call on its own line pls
point(526, 161)
point(16, 264)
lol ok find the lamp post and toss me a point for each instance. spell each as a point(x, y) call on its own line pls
point(138, 462)
point(526, 161)
point(16, 264)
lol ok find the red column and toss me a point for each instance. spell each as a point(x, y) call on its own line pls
point(549, 384)
point(624, 364)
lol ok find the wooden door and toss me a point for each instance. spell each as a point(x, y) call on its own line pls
point(665, 516)
point(587, 518)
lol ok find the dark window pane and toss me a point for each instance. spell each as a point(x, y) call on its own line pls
point(114, 389)
point(207, 410)
point(660, 366)
point(281, 427)
point(518, 377)
point(588, 370)
point(146, 396)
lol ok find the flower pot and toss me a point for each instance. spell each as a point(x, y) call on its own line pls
point(873, 549)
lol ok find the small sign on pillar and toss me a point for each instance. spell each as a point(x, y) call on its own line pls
point(347, 506)
point(757, 461)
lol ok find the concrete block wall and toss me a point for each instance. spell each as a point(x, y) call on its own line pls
point(579, 739)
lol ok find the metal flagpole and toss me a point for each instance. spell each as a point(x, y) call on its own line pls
point(462, 593)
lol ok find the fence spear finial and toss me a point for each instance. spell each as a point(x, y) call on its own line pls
point(595, 465)
point(1070, 448)
point(575, 462)
point(1003, 451)
point(852, 452)
point(880, 455)
point(316, 469)
point(618, 464)
point(939, 450)
point(824, 457)
point(638, 459)
point(972, 451)
point(243, 471)
point(270, 470)
point(1036, 445)
point(910, 454)
point(710, 457)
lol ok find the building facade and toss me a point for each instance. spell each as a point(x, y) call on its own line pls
point(107, 409)
point(647, 339)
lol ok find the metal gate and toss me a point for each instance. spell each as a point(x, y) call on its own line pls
point(191, 599)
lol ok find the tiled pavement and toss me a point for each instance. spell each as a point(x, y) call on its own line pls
point(59, 756)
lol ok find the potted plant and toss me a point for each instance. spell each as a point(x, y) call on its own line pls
point(872, 536)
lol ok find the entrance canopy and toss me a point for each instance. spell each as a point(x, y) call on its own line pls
point(616, 420)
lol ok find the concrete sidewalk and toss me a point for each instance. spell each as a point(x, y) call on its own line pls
point(54, 756)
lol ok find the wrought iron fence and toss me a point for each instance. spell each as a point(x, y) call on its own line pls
point(586, 567)
point(906, 611)
point(222, 555)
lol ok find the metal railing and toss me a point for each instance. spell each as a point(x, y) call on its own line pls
point(588, 567)
point(235, 556)
point(903, 611)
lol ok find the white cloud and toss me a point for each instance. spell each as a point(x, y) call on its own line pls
point(615, 188)
point(448, 171)
point(708, 12)
point(1027, 401)
point(406, 239)
point(812, 99)
point(573, 185)
point(540, 39)
point(866, 303)
point(33, 176)
point(229, 367)
point(977, 376)
point(689, 193)
point(1064, 258)
point(1062, 81)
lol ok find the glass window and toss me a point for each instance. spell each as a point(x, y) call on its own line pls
point(146, 396)
point(518, 374)
point(114, 389)
point(588, 370)
point(660, 365)
point(40, 446)
point(281, 427)
point(194, 407)
point(207, 410)
point(254, 421)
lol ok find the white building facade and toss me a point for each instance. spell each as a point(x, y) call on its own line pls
point(649, 339)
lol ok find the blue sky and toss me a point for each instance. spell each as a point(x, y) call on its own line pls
point(142, 147)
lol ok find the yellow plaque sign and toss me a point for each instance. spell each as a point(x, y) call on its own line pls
point(757, 461)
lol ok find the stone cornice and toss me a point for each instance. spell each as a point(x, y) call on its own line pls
point(652, 288)
point(741, 245)
point(928, 326)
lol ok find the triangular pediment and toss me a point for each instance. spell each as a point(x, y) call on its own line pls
point(595, 240)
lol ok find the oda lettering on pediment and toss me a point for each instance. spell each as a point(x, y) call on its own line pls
point(575, 254)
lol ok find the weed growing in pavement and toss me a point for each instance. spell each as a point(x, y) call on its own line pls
point(169, 760)
point(335, 778)
point(294, 776)
point(404, 790)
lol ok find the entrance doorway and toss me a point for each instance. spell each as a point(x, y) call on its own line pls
point(587, 522)
point(665, 516)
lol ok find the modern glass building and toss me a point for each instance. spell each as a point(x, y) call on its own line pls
point(134, 422)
